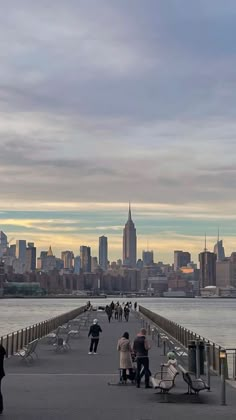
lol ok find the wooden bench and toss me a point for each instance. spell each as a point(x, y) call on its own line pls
point(27, 352)
point(194, 384)
point(165, 379)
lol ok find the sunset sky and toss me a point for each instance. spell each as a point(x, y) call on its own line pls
point(102, 102)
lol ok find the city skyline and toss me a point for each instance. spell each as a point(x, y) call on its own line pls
point(102, 104)
point(117, 231)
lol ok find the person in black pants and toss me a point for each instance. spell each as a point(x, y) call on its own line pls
point(2, 374)
point(141, 347)
point(94, 331)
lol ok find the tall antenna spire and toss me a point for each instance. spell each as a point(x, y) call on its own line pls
point(129, 216)
point(205, 249)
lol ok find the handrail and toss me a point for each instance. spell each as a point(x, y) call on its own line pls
point(183, 336)
point(16, 340)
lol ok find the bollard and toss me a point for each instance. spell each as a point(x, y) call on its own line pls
point(197, 360)
point(208, 363)
point(222, 376)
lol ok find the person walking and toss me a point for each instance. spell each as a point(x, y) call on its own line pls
point(124, 347)
point(2, 374)
point(109, 313)
point(126, 313)
point(141, 347)
point(120, 313)
point(94, 331)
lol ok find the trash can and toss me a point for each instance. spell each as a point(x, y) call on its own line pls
point(192, 354)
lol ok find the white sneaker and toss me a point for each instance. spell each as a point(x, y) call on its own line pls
point(90, 352)
point(95, 353)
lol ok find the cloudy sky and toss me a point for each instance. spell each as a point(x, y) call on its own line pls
point(106, 101)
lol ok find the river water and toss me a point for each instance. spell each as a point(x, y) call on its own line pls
point(211, 318)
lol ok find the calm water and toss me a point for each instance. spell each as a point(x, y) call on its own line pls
point(212, 318)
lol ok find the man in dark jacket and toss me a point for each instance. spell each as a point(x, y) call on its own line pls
point(94, 331)
point(141, 347)
point(2, 374)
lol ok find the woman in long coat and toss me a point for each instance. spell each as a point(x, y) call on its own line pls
point(124, 347)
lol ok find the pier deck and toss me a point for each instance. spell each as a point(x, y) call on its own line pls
point(74, 385)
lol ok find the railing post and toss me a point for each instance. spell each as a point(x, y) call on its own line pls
point(197, 359)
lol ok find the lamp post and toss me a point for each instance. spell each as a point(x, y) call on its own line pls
point(223, 357)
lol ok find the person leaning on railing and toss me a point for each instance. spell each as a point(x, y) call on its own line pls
point(2, 374)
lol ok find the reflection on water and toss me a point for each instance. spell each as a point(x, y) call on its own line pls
point(212, 318)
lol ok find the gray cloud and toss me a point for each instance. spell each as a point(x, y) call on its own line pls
point(118, 101)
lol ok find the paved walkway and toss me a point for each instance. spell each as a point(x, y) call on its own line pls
point(74, 385)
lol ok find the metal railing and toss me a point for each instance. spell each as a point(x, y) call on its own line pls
point(183, 336)
point(16, 340)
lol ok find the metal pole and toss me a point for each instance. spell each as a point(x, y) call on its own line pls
point(153, 333)
point(158, 339)
point(208, 363)
point(197, 360)
point(223, 394)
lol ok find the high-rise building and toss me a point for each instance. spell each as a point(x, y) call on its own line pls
point(103, 252)
point(207, 269)
point(3, 243)
point(147, 258)
point(85, 259)
point(129, 242)
point(219, 249)
point(67, 258)
point(77, 264)
point(94, 264)
point(21, 250)
point(181, 259)
point(30, 264)
point(226, 272)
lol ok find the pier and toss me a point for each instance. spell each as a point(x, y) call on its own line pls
point(74, 385)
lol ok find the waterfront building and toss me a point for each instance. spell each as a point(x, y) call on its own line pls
point(148, 258)
point(103, 252)
point(181, 259)
point(129, 242)
point(85, 259)
point(21, 250)
point(207, 268)
point(67, 258)
point(30, 264)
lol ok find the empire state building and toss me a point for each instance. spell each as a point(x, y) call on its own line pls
point(129, 242)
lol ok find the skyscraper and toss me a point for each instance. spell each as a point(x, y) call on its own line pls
point(67, 258)
point(85, 259)
point(129, 242)
point(21, 250)
point(147, 258)
point(103, 252)
point(181, 259)
point(207, 268)
point(219, 249)
point(30, 257)
point(3, 243)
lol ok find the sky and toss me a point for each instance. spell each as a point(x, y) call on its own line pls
point(102, 102)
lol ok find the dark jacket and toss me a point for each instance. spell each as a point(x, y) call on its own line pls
point(94, 331)
point(2, 354)
point(139, 346)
